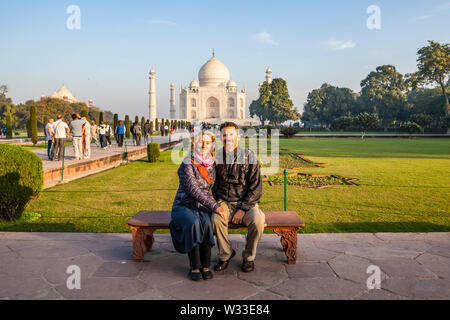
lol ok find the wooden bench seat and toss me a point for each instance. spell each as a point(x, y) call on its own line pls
point(283, 223)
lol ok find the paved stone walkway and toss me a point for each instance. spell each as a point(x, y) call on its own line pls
point(329, 266)
point(97, 152)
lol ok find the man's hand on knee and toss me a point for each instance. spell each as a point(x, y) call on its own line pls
point(238, 216)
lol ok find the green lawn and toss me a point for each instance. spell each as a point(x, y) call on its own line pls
point(404, 186)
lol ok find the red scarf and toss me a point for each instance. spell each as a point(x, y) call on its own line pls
point(203, 171)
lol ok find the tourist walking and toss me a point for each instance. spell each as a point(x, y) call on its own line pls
point(61, 133)
point(87, 138)
point(147, 129)
point(190, 226)
point(49, 137)
point(76, 126)
point(137, 131)
point(102, 134)
point(108, 134)
point(94, 133)
point(120, 131)
point(132, 133)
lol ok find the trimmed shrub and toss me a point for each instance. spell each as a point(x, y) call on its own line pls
point(127, 126)
point(153, 152)
point(413, 127)
point(33, 126)
point(289, 132)
point(8, 126)
point(21, 180)
point(116, 121)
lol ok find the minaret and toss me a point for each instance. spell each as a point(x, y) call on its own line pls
point(269, 75)
point(152, 105)
point(172, 101)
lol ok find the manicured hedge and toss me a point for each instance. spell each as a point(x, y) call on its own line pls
point(21, 180)
point(153, 152)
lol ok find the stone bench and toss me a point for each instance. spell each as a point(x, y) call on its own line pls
point(283, 223)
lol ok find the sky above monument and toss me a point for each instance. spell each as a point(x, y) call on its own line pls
point(109, 56)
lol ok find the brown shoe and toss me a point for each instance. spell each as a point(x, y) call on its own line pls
point(222, 265)
point(248, 266)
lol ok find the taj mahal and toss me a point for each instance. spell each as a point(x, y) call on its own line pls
point(214, 98)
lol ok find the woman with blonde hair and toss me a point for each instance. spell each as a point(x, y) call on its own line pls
point(190, 225)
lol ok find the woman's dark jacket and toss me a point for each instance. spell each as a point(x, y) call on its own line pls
point(194, 191)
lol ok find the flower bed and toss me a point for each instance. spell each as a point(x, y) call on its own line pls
point(296, 161)
point(317, 181)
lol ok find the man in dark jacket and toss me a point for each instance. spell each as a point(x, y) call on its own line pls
point(238, 188)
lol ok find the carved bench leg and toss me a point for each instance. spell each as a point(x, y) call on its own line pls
point(289, 243)
point(149, 239)
point(139, 246)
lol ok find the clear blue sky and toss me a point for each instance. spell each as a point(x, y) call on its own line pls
point(108, 59)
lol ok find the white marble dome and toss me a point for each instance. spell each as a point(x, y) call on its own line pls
point(213, 73)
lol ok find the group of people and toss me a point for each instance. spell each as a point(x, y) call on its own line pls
point(217, 188)
point(83, 133)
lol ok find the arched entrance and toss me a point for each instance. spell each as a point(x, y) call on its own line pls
point(213, 108)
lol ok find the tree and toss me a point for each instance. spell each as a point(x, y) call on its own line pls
point(274, 103)
point(84, 113)
point(281, 106)
point(429, 102)
point(8, 126)
point(33, 124)
point(384, 90)
point(127, 126)
point(45, 123)
point(433, 66)
point(328, 103)
point(446, 122)
point(421, 119)
point(413, 127)
point(142, 123)
point(343, 123)
point(366, 121)
point(156, 124)
point(136, 119)
point(100, 117)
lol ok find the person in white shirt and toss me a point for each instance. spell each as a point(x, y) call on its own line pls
point(49, 137)
point(61, 133)
point(102, 134)
point(94, 133)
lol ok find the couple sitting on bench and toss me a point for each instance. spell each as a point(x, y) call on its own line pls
point(217, 188)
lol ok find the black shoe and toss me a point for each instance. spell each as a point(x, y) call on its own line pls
point(222, 265)
point(248, 266)
point(195, 276)
point(207, 275)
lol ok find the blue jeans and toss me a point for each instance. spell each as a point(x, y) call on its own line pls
point(49, 148)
